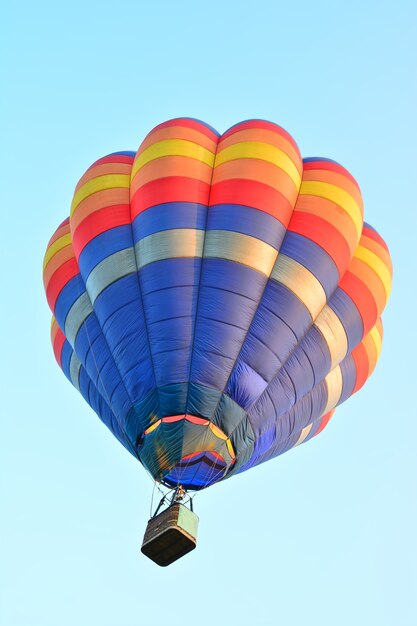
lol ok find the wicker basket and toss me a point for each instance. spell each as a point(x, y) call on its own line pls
point(170, 535)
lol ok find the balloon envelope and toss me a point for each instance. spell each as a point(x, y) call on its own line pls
point(215, 297)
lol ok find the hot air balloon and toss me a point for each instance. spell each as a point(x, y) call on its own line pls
point(215, 297)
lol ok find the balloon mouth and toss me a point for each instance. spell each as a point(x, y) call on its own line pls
point(198, 453)
point(197, 471)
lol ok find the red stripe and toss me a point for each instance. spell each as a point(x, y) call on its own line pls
point(372, 234)
point(360, 356)
point(324, 234)
point(99, 222)
point(203, 453)
point(182, 121)
point(59, 279)
point(324, 421)
point(362, 296)
point(263, 124)
point(113, 158)
point(58, 344)
point(253, 194)
point(169, 189)
point(173, 418)
point(331, 167)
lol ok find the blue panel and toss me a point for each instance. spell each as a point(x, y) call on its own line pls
point(316, 349)
point(242, 219)
point(124, 153)
point(120, 313)
point(348, 369)
point(245, 385)
point(169, 273)
point(88, 335)
point(314, 258)
point(347, 312)
point(233, 277)
point(66, 355)
point(68, 295)
point(167, 216)
point(263, 443)
point(310, 159)
point(299, 369)
point(104, 245)
point(201, 471)
point(281, 394)
point(282, 302)
point(170, 314)
point(270, 340)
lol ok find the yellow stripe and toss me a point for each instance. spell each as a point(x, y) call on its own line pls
point(375, 263)
point(216, 431)
point(250, 251)
point(303, 435)
point(337, 195)
point(334, 384)
point(111, 181)
point(170, 244)
point(60, 243)
point(301, 282)
point(334, 334)
point(173, 147)
point(377, 339)
point(151, 428)
point(262, 151)
point(230, 448)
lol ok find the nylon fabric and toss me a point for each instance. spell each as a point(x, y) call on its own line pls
point(216, 297)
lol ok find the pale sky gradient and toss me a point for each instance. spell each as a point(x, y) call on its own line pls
point(322, 536)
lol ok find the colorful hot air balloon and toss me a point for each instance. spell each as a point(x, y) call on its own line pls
point(215, 297)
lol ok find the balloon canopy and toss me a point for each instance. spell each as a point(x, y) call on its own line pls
point(215, 297)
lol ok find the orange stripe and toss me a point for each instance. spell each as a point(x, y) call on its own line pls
point(171, 166)
point(333, 214)
point(178, 132)
point(371, 351)
point(102, 170)
point(63, 255)
point(379, 250)
point(334, 178)
point(260, 125)
point(97, 201)
point(261, 171)
point(265, 136)
point(57, 345)
point(375, 285)
point(361, 359)
point(54, 330)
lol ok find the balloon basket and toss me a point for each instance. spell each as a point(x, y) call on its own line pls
point(170, 535)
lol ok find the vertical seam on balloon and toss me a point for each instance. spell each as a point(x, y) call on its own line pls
point(199, 282)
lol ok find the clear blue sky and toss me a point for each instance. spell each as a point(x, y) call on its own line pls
point(322, 536)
